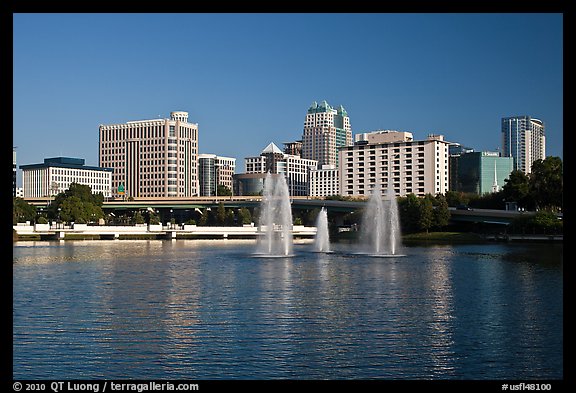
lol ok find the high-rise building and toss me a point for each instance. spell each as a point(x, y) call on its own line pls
point(523, 139)
point(152, 158)
point(394, 160)
point(213, 171)
point(325, 130)
point(56, 174)
point(294, 168)
point(480, 172)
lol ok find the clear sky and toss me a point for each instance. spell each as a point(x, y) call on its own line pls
point(248, 79)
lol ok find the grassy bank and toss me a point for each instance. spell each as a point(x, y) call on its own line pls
point(443, 237)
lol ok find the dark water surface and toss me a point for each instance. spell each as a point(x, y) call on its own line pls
point(190, 309)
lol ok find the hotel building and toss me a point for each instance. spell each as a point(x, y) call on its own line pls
point(213, 171)
point(56, 174)
point(523, 139)
point(324, 181)
point(294, 168)
point(152, 158)
point(393, 159)
point(325, 130)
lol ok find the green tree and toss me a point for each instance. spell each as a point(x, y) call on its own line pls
point(222, 190)
point(517, 189)
point(441, 213)
point(221, 214)
point(455, 198)
point(230, 218)
point(153, 218)
point(138, 218)
point(546, 183)
point(409, 207)
point(244, 216)
point(426, 217)
point(89, 204)
point(22, 211)
point(203, 218)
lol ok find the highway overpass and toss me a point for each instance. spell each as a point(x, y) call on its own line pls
point(164, 205)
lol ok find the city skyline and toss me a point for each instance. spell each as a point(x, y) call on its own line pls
point(248, 79)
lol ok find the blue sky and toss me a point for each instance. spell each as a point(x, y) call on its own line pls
point(248, 79)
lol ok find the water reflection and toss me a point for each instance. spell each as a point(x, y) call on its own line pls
point(189, 309)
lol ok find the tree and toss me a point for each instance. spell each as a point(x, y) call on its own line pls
point(222, 190)
point(546, 183)
point(82, 205)
point(244, 216)
point(22, 211)
point(441, 212)
point(203, 218)
point(409, 207)
point(426, 218)
point(138, 218)
point(517, 189)
point(221, 214)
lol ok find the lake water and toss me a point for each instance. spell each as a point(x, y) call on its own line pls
point(189, 309)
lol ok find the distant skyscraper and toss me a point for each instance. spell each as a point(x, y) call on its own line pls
point(325, 130)
point(523, 139)
point(152, 158)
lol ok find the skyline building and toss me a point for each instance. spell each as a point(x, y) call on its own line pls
point(480, 172)
point(393, 159)
point(214, 170)
point(523, 138)
point(56, 174)
point(295, 168)
point(152, 158)
point(326, 129)
point(324, 181)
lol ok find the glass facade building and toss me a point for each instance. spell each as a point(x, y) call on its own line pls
point(481, 172)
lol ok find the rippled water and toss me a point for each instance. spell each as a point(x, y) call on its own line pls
point(211, 310)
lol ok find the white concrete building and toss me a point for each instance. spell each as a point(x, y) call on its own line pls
point(294, 168)
point(394, 160)
point(56, 174)
point(152, 158)
point(324, 181)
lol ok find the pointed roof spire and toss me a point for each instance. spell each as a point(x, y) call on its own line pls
point(271, 148)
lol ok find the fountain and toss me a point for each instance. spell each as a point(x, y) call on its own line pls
point(322, 238)
point(381, 225)
point(275, 218)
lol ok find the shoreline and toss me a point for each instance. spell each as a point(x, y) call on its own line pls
point(408, 239)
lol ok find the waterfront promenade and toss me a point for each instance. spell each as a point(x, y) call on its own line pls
point(170, 231)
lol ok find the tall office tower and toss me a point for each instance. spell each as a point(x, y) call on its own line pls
point(152, 158)
point(213, 171)
point(523, 139)
point(325, 130)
